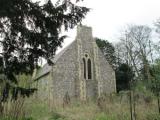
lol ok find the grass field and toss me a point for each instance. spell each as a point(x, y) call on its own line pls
point(111, 107)
point(116, 107)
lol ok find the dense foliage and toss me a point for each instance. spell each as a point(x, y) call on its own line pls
point(30, 31)
point(124, 76)
point(108, 50)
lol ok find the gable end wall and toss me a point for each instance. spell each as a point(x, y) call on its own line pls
point(64, 74)
point(107, 75)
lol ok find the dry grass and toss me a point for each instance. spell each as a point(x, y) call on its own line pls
point(14, 109)
point(114, 108)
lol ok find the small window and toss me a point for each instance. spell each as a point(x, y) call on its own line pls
point(84, 68)
point(89, 69)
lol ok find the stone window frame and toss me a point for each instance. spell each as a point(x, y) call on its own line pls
point(84, 68)
point(85, 59)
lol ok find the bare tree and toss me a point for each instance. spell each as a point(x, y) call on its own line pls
point(137, 43)
point(157, 46)
point(135, 49)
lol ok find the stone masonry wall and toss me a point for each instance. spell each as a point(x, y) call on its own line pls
point(107, 75)
point(44, 88)
point(85, 41)
point(67, 74)
point(64, 74)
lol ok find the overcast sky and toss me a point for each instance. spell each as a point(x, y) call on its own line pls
point(109, 17)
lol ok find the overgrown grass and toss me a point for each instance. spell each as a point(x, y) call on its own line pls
point(115, 107)
point(11, 118)
point(37, 109)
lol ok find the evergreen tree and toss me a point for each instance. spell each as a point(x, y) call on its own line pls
point(124, 75)
point(30, 31)
point(108, 50)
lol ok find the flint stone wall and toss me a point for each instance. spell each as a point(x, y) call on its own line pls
point(66, 75)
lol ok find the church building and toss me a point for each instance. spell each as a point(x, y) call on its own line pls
point(79, 70)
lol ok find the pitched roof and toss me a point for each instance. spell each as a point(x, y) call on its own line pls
point(47, 68)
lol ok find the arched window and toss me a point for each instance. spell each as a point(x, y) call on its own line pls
point(84, 68)
point(89, 69)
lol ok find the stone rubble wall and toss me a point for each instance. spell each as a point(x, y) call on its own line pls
point(107, 75)
point(64, 74)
